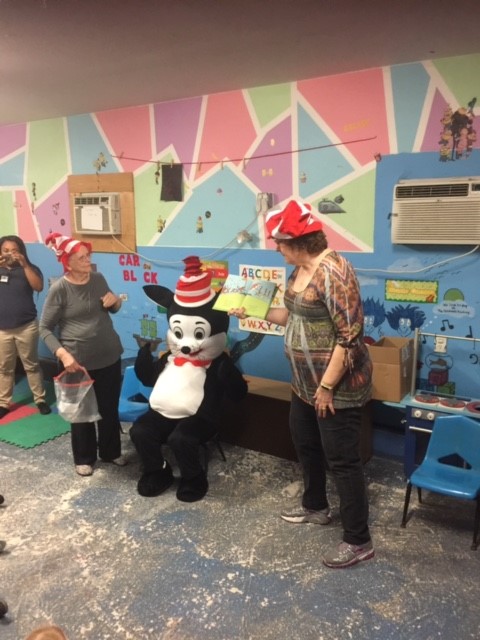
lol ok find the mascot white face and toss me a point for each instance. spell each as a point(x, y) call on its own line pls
point(196, 331)
point(191, 337)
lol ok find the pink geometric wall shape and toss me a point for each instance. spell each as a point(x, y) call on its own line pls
point(338, 242)
point(26, 228)
point(53, 214)
point(273, 173)
point(335, 240)
point(433, 130)
point(128, 132)
point(12, 138)
point(228, 130)
point(354, 110)
point(176, 124)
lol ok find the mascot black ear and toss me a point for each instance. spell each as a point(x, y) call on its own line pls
point(160, 295)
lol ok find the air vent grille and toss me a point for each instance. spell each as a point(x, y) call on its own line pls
point(92, 200)
point(447, 190)
point(437, 211)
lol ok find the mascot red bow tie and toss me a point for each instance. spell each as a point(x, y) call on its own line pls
point(179, 361)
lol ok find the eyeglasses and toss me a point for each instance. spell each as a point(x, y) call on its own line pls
point(83, 259)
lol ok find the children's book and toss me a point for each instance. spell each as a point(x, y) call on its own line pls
point(254, 295)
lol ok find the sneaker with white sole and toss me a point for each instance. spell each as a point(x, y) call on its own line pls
point(298, 515)
point(346, 555)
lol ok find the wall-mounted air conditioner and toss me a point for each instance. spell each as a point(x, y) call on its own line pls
point(436, 211)
point(97, 214)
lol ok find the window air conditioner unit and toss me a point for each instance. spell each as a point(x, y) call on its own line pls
point(437, 211)
point(97, 214)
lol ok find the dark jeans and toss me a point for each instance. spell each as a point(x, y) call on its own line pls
point(107, 384)
point(183, 436)
point(334, 443)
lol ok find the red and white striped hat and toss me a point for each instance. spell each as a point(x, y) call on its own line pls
point(292, 221)
point(194, 287)
point(63, 246)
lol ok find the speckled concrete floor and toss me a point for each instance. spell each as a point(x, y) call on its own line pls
point(92, 556)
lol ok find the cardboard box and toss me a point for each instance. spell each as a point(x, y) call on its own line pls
point(392, 368)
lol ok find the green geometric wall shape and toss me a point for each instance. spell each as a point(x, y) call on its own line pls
point(148, 206)
point(7, 214)
point(47, 155)
point(269, 102)
point(358, 204)
point(462, 75)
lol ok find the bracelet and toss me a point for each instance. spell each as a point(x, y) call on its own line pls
point(328, 387)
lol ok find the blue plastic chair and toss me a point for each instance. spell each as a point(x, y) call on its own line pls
point(451, 466)
point(133, 397)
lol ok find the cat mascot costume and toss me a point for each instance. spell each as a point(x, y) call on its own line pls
point(189, 383)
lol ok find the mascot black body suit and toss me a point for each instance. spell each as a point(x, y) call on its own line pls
point(189, 383)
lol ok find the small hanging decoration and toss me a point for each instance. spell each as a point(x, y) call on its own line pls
point(100, 163)
point(160, 224)
point(458, 135)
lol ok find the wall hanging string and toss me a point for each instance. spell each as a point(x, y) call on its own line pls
point(200, 163)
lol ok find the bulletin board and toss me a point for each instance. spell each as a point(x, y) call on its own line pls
point(121, 183)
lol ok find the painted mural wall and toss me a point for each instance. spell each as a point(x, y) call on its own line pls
point(340, 142)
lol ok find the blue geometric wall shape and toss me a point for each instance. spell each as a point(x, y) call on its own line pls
point(222, 222)
point(86, 143)
point(320, 167)
point(409, 89)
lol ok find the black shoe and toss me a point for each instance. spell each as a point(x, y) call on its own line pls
point(44, 408)
point(155, 483)
point(3, 608)
point(193, 489)
point(3, 412)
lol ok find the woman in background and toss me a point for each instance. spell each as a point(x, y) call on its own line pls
point(19, 279)
point(78, 305)
point(331, 377)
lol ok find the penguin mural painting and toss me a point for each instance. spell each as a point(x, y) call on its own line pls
point(189, 383)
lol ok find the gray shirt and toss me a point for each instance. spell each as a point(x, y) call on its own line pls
point(74, 313)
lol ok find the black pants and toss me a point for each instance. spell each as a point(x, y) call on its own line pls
point(184, 436)
point(334, 443)
point(107, 384)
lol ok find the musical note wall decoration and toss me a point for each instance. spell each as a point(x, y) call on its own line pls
point(449, 325)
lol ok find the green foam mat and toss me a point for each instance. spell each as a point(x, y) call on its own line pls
point(30, 428)
point(33, 430)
